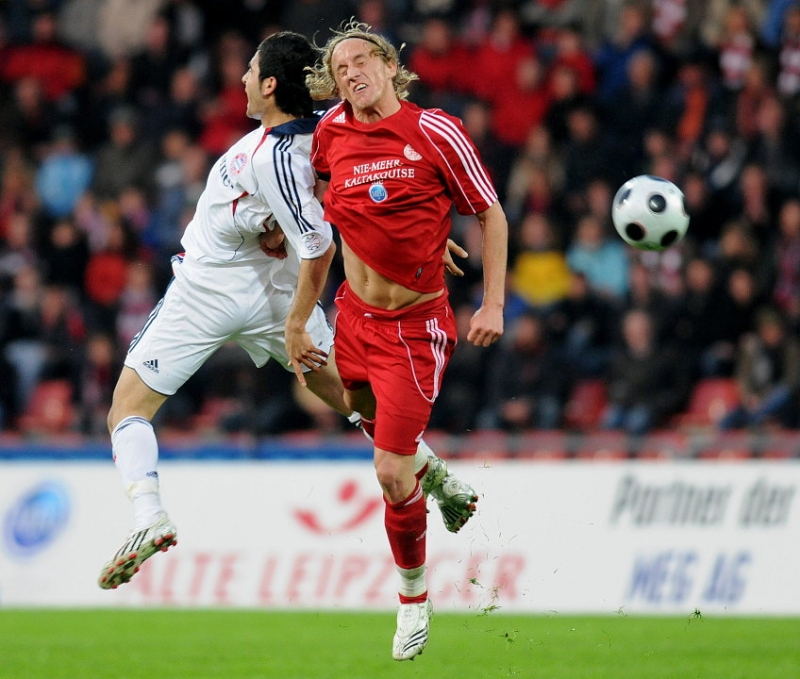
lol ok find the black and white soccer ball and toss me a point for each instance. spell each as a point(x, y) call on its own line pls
point(649, 213)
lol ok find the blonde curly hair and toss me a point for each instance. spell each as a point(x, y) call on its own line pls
point(320, 79)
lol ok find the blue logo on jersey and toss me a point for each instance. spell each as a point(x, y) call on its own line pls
point(36, 519)
point(378, 193)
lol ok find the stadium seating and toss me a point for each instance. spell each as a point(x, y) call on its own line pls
point(664, 444)
point(729, 445)
point(50, 410)
point(541, 446)
point(710, 400)
point(586, 404)
point(603, 446)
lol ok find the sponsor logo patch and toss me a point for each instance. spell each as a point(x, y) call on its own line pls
point(378, 193)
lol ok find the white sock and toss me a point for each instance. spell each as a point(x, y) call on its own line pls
point(135, 450)
point(412, 581)
point(421, 456)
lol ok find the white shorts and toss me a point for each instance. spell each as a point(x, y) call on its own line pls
point(206, 306)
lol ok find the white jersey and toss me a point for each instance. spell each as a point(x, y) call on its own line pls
point(225, 288)
point(264, 178)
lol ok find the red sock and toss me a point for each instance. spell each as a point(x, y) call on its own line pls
point(406, 524)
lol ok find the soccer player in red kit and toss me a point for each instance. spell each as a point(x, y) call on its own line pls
point(394, 172)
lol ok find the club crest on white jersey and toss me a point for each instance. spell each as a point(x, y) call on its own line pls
point(238, 163)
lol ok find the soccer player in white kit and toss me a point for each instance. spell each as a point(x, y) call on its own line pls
point(226, 288)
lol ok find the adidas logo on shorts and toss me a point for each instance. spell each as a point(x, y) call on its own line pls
point(152, 364)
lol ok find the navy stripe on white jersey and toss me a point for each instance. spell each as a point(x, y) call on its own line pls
point(286, 181)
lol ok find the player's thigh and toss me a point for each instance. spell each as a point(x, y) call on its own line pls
point(265, 336)
point(183, 331)
point(351, 352)
point(406, 376)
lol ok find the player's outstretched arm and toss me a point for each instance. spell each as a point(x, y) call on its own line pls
point(486, 326)
point(310, 285)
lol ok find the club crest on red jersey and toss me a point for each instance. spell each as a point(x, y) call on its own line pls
point(378, 192)
point(411, 153)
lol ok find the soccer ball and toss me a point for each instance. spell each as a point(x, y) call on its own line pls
point(649, 213)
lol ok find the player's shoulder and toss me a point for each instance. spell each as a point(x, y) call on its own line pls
point(438, 119)
point(336, 114)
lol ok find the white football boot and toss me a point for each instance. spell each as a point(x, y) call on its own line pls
point(455, 498)
point(413, 621)
point(140, 546)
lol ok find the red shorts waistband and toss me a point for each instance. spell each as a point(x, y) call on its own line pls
point(346, 297)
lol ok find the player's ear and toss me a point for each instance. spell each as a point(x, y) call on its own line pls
point(268, 86)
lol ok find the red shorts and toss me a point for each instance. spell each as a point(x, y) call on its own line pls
point(402, 355)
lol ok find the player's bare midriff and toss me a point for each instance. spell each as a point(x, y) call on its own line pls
point(377, 290)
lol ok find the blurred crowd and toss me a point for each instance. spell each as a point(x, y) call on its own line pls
point(112, 113)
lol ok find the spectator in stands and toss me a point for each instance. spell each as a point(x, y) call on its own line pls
point(153, 67)
point(742, 298)
point(754, 203)
point(536, 178)
point(438, 59)
point(109, 91)
point(736, 47)
point(757, 87)
point(601, 258)
point(499, 55)
point(126, 159)
point(29, 117)
point(64, 256)
point(18, 248)
point(17, 187)
point(637, 106)
point(786, 253)
point(523, 104)
point(644, 294)
point(773, 148)
point(585, 153)
point(58, 69)
point(789, 54)
point(530, 380)
point(646, 382)
point(98, 370)
point(25, 343)
point(539, 276)
point(64, 174)
point(768, 375)
point(105, 278)
point(8, 374)
point(584, 324)
point(222, 119)
point(699, 324)
point(137, 300)
point(611, 59)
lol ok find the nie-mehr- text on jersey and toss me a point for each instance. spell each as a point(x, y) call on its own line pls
point(265, 177)
point(393, 184)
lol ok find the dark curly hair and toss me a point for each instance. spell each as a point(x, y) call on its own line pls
point(285, 56)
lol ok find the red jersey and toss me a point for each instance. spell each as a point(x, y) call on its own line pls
point(392, 185)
